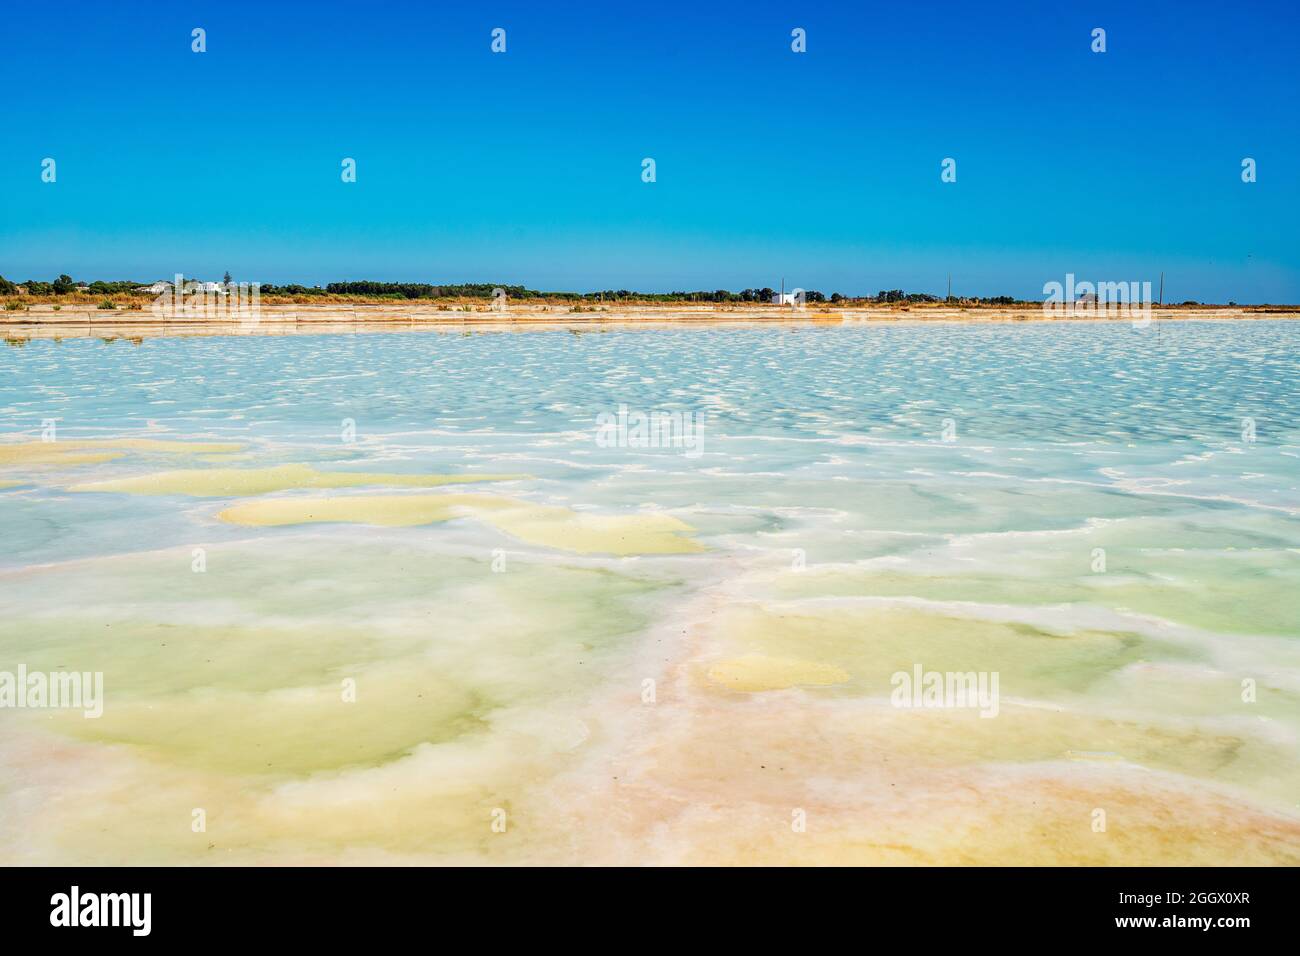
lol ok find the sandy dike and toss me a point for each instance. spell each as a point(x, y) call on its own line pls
point(42, 321)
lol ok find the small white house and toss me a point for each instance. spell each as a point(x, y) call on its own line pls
point(158, 288)
point(783, 298)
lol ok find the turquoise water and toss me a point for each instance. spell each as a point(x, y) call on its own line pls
point(1061, 382)
point(864, 497)
point(1125, 410)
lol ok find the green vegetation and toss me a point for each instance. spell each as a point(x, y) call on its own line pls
point(413, 290)
point(125, 292)
point(898, 295)
point(485, 290)
point(65, 285)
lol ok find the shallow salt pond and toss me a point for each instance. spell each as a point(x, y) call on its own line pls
point(387, 599)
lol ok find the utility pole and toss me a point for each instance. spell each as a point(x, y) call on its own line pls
point(1161, 301)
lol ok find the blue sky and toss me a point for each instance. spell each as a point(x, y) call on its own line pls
point(822, 168)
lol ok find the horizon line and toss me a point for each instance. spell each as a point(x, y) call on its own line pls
point(435, 290)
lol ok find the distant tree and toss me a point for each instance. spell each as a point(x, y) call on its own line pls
point(227, 280)
point(7, 287)
point(100, 287)
point(63, 285)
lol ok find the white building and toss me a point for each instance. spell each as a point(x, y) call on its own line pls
point(158, 288)
point(783, 298)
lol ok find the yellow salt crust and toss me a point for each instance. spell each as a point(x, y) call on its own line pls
point(548, 526)
point(232, 482)
point(758, 672)
point(80, 452)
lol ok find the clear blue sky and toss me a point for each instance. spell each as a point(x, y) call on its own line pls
point(822, 168)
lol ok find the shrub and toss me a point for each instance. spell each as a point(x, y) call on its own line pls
point(106, 304)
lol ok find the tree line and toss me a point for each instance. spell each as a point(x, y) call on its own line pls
point(65, 285)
